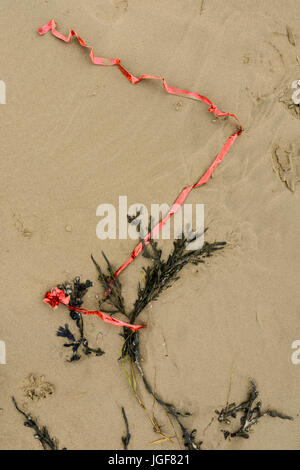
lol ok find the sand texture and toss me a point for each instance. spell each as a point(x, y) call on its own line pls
point(73, 136)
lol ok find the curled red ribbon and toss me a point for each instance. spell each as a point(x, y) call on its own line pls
point(57, 296)
point(51, 26)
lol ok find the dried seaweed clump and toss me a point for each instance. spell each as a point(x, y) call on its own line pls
point(79, 343)
point(40, 433)
point(251, 414)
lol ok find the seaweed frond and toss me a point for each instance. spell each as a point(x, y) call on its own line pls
point(77, 293)
point(161, 275)
point(252, 413)
point(64, 332)
point(188, 437)
point(112, 288)
point(40, 433)
point(127, 437)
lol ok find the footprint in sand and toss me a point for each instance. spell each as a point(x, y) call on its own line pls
point(286, 163)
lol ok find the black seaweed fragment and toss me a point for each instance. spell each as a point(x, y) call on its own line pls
point(132, 218)
point(76, 293)
point(188, 437)
point(40, 433)
point(112, 288)
point(252, 413)
point(127, 437)
point(64, 332)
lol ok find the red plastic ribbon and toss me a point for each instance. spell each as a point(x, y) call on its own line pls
point(179, 201)
point(51, 26)
point(57, 296)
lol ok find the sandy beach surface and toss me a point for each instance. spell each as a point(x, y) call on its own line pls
point(73, 136)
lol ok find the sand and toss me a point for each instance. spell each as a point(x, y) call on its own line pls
point(74, 136)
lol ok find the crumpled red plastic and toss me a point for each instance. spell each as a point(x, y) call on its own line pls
point(57, 296)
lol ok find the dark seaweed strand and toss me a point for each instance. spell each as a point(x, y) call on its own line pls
point(77, 293)
point(188, 437)
point(42, 434)
point(159, 276)
point(112, 287)
point(131, 219)
point(127, 437)
point(252, 413)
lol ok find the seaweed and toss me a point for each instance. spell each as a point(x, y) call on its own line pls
point(40, 433)
point(160, 275)
point(131, 219)
point(112, 287)
point(127, 437)
point(76, 293)
point(188, 437)
point(251, 414)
